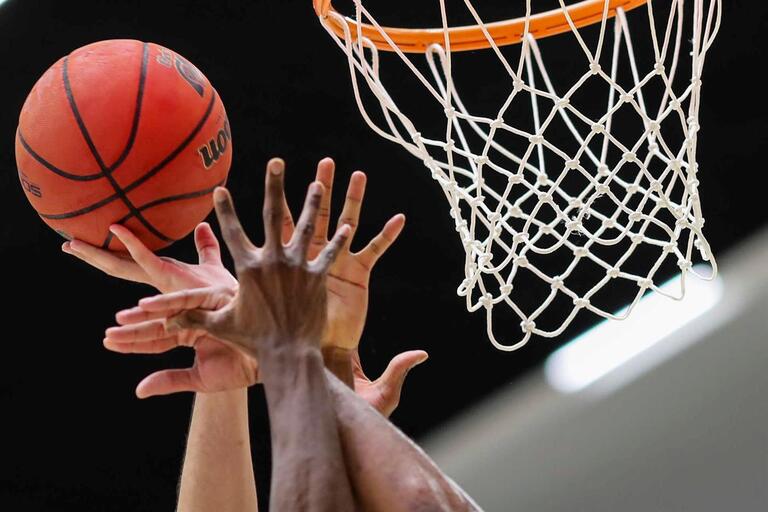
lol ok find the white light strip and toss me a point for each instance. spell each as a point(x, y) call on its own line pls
point(611, 344)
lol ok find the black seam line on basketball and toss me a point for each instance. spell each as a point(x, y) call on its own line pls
point(163, 200)
point(45, 163)
point(129, 143)
point(159, 167)
point(136, 110)
point(104, 169)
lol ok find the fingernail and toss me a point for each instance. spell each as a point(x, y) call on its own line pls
point(276, 166)
point(220, 195)
point(65, 247)
point(113, 229)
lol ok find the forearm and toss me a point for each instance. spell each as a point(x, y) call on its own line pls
point(389, 472)
point(308, 471)
point(217, 475)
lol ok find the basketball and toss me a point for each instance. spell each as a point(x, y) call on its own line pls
point(124, 132)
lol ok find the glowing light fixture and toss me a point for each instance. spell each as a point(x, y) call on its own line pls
point(611, 344)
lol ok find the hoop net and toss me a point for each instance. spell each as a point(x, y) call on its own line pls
point(569, 201)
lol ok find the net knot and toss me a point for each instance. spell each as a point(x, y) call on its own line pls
point(644, 283)
point(487, 300)
point(481, 160)
point(573, 225)
point(581, 303)
point(580, 252)
point(595, 68)
point(613, 272)
point(603, 171)
point(506, 289)
point(521, 261)
point(476, 201)
point(536, 139)
point(598, 128)
point(520, 238)
point(669, 248)
point(528, 326)
point(684, 265)
point(630, 156)
point(635, 216)
point(450, 112)
point(497, 123)
point(557, 283)
point(571, 164)
point(637, 238)
point(544, 197)
point(542, 179)
point(655, 186)
point(609, 223)
point(515, 211)
point(626, 98)
point(602, 189)
point(518, 84)
point(659, 68)
point(562, 103)
point(514, 179)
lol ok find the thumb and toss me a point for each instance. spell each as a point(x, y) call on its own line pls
point(208, 249)
point(391, 381)
point(166, 382)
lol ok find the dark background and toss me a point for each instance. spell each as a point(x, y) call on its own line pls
point(73, 434)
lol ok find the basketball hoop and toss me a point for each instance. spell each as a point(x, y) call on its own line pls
point(565, 183)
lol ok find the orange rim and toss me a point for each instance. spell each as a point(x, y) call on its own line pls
point(414, 40)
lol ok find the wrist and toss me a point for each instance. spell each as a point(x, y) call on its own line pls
point(339, 362)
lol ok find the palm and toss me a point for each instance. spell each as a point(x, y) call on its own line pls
point(176, 275)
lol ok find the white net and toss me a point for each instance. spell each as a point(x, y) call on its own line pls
point(575, 188)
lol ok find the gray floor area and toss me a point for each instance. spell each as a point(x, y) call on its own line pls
point(687, 433)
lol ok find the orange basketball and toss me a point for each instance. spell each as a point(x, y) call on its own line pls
point(123, 132)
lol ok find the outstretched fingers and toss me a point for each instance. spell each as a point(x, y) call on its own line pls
point(149, 261)
point(305, 228)
point(381, 242)
point(274, 201)
point(231, 230)
point(197, 298)
point(353, 203)
point(331, 251)
point(325, 172)
point(113, 264)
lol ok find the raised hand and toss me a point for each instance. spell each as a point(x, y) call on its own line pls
point(281, 298)
point(166, 274)
point(348, 281)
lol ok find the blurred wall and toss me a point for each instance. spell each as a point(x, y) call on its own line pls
point(691, 433)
